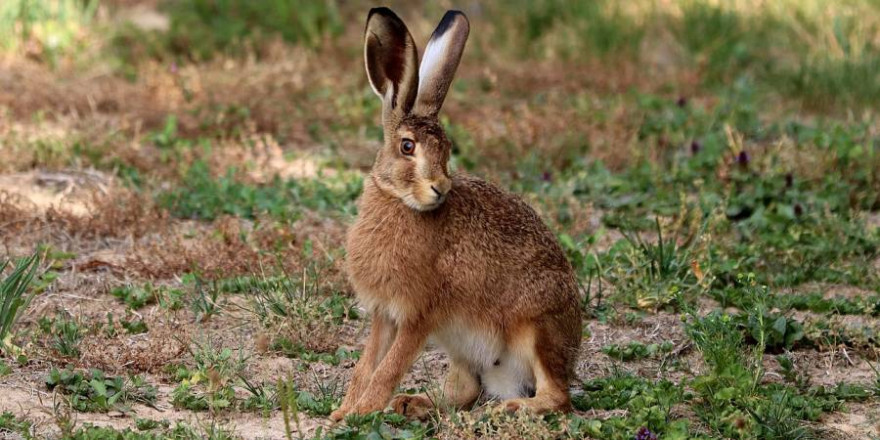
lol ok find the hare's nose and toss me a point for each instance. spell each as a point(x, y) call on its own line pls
point(436, 191)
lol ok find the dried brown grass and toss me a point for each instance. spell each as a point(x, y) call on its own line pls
point(165, 343)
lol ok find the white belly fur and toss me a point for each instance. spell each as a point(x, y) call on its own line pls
point(504, 372)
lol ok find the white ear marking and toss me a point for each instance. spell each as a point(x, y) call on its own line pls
point(432, 60)
point(440, 61)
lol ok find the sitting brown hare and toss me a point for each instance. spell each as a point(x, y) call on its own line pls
point(450, 259)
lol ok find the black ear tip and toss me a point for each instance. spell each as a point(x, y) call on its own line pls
point(383, 11)
point(452, 14)
point(456, 12)
point(448, 20)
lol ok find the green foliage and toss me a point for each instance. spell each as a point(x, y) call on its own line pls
point(732, 399)
point(647, 404)
point(66, 334)
point(651, 274)
point(778, 332)
point(549, 27)
point(92, 391)
point(211, 385)
point(301, 313)
point(13, 300)
point(215, 398)
point(134, 327)
point(298, 351)
point(200, 28)
point(207, 301)
point(149, 424)
point(376, 425)
point(636, 350)
point(202, 196)
point(817, 303)
point(180, 431)
point(224, 363)
point(136, 297)
point(11, 425)
point(266, 397)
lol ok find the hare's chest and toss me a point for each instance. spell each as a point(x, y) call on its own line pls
point(387, 270)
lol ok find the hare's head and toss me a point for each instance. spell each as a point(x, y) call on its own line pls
point(413, 163)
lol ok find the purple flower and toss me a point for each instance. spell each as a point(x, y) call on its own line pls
point(743, 158)
point(789, 180)
point(645, 434)
point(547, 177)
point(696, 147)
point(173, 67)
point(681, 102)
point(798, 210)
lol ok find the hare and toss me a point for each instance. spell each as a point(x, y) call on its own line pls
point(450, 258)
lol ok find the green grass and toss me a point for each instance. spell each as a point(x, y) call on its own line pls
point(136, 297)
point(93, 391)
point(201, 28)
point(647, 404)
point(13, 297)
point(65, 333)
point(12, 425)
point(157, 431)
point(266, 398)
point(636, 350)
point(202, 196)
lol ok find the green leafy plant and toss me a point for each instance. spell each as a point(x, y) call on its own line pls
point(135, 297)
point(66, 334)
point(13, 298)
point(189, 396)
point(92, 391)
point(161, 431)
point(654, 275)
point(12, 425)
point(266, 397)
point(647, 404)
point(202, 196)
point(207, 300)
point(636, 350)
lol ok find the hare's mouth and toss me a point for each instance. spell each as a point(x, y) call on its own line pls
point(411, 201)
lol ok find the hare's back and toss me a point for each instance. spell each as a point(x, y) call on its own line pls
point(499, 246)
point(500, 222)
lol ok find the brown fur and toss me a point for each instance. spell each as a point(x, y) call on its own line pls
point(471, 265)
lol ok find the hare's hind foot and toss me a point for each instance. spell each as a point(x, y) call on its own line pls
point(539, 404)
point(461, 388)
point(548, 365)
point(548, 397)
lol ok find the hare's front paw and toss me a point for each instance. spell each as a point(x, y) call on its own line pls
point(415, 406)
point(366, 406)
point(339, 414)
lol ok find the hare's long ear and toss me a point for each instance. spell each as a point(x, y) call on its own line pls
point(440, 62)
point(392, 62)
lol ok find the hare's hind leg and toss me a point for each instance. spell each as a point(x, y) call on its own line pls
point(549, 363)
point(460, 389)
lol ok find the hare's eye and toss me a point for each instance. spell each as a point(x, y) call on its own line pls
point(407, 147)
